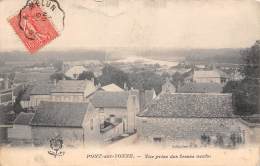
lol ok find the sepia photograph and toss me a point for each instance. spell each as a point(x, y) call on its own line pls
point(130, 82)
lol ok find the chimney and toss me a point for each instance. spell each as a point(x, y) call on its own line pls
point(6, 82)
point(93, 80)
point(125, 86)
point(178, 86)
point(142, 99)
point(55, 82)
point(99, 85)
point(154, 93)
point(132, 109)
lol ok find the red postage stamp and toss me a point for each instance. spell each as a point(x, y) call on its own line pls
point(34, 26)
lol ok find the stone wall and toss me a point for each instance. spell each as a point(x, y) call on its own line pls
point(91, 125)
point(256, 135)
point(114, 132)
point(170, 130)
point(20, 132)
point(70, 136)
point(96, 117)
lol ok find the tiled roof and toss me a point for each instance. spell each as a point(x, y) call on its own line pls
point(42, 89)
point(109, 99)
point(71, 86)
point(188, 105)
point(60, 114)
point(23, 118)
point(32, 76)
point(200, 88)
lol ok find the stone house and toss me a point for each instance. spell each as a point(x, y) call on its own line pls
point(119, 105)
point(123, 105)
point(73, 90)
point(6, 99)
point(191, 119)
point(6, 92)
point(3, 121)
point(41, 92)
point(21, 130)
point(253, 122)
point(76, 123)
point(67, 120)
point(209, 76)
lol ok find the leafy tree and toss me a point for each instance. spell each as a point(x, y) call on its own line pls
point(111, 74)
point(57, 64)
point(86, 75)
point(231, 86)
point(59, 76)
point(246, 92)
point(17, 104)
point(177, 79)
point(146, 80)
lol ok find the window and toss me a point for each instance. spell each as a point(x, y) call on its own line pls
point(144, 121)
point(91, 124)
point(157, 139)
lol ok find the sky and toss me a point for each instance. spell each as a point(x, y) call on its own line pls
point(139, 24)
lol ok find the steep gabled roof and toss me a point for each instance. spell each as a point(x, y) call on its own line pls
point(60, 114)
point(71, 86)
point(112, 88)
point(189, 105)
point(32, 76)
point(110, 99)
point(200, 88)
point(23, 118)
point(42, 89)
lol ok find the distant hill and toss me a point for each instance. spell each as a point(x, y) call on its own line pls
point(55, 55)
point(189, 55)
point(232, 56)
point(225, 55)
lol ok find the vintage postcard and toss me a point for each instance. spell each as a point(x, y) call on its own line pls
point(130, 82)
